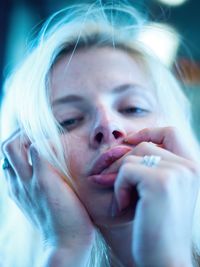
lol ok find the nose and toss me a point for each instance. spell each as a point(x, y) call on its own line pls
point(106, 131)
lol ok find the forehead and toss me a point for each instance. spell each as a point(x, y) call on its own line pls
point(95, 70)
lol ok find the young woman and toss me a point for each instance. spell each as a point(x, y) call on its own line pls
point(100, 161)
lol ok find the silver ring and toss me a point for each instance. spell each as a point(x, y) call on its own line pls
point(5, 164)
point(150, 161)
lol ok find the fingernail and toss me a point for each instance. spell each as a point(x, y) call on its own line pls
point(127, 138)
point(32, 155)
point(114, 207)
point(29, 157)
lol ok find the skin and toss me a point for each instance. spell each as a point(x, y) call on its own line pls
point(104, 110)
point(159, 192)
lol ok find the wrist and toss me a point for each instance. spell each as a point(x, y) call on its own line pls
point(76, 255)
point(70, 240)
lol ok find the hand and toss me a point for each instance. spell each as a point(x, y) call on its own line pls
point(44, 196)
point(167, 195)
point(169, 138)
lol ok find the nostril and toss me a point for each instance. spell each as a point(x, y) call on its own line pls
point(99, 137)
point(117, 134)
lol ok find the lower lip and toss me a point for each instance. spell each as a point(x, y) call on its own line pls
point(105, 180)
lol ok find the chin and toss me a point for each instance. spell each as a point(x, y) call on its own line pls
point(100, 210)
point(124, 217)
point(98, 203)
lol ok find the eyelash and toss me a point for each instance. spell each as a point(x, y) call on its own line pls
point(133, 110)
point(72, 122)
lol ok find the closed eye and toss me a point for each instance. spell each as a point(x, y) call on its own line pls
point(133, 111)
point(71, 123)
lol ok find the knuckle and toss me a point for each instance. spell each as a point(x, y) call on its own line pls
point(190, 171)
point(3, 146)
point(163, 185)
point(165, 180)
point(194, 168)
point(124, 170)
point(180, 176)
point(143, 145)
point(142, 148)
point(128, 159)
point(7, 147)
point(127, 166)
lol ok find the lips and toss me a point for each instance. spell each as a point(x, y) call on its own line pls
point(107, 158)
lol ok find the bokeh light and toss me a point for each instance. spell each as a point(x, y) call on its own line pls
point(162, 40)
point(172, 2)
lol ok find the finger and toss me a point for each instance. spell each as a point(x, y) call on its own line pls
point(9, 172)
point(3, 143)
point(15, 150)
point(166, 137)
point(134, 175)
point(13, 187)
point(50, 182)
point(10, 179)
point(146, 148)
point(17, 192)
point(158, 135)
point(129, 176)
point(43, 172)
point(11, 182)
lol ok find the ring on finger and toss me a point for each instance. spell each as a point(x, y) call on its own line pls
point(5, 164)
point(150, 161)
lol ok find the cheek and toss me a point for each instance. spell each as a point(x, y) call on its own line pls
point(78, 159)
point(147, 122)
point(78, 155)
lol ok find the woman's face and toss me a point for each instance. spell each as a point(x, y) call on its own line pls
point(100, 96)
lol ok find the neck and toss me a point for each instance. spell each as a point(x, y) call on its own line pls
point(119, 238)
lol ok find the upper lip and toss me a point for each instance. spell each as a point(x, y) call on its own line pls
point(107, 158)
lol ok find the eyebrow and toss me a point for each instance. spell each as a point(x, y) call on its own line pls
point(116, 90)
point(67, 99)
point(125, 87)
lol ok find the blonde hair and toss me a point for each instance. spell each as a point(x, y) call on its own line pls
point(28, 105)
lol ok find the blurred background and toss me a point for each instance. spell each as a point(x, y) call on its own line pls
point(20, 20)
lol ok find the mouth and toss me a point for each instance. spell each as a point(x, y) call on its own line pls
point(109, 157)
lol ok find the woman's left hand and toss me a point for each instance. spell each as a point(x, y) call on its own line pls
point(162, 225)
